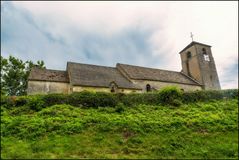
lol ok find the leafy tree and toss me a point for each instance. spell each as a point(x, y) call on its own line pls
point(14, 75)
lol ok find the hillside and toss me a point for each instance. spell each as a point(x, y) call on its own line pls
point(204, 129)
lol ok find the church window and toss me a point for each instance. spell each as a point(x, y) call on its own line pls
point(189, 55)
point(148, 88)
point(112, 89)
point(205, 55)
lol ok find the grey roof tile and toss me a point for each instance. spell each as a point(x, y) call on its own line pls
point(48, 75)
point(98, 76)
point(143, 73)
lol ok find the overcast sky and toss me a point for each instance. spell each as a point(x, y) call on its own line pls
point(149, 34)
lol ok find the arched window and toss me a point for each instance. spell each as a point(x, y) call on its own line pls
point(189, 55)
point(113, 87)
point(205, 55)
point(148, 88)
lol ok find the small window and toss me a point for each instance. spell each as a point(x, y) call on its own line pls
point(205, 55)
point(189, 55)
point(148, 88)
point(112, 89)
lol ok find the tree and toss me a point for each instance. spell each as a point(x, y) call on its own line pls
point(14, 75)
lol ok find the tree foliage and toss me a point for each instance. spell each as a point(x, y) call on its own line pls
point(14, 75)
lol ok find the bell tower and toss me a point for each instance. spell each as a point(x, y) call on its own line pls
point(198, 63)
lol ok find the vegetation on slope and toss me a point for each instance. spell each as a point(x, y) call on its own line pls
point(206, 129)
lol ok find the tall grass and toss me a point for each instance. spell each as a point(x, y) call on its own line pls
point(193, 130)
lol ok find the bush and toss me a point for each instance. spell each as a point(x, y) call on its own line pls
point(140, 98)
point(56, 98)
point(21, 101)
point(8, 102)
point(90, 99)
point(120, 108)
point(35, 102)
point(230, 93)
point(171, 96)
point(208, 95)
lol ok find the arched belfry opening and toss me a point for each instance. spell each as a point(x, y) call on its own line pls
point(205, 55)
point(148, 88)
point(189, 55)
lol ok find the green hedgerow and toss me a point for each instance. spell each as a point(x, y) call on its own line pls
point(170, 96)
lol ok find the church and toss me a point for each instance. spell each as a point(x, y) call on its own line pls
point(198, 73)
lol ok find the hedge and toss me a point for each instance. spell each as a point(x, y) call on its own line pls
point(167, 96)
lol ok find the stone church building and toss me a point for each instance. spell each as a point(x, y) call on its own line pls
point(198, 72)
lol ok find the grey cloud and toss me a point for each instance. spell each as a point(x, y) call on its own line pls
point(229, 78)
point(23, 38)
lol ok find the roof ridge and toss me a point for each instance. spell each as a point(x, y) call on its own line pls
point(192, 43)
point(48, 69)
point(91, 65)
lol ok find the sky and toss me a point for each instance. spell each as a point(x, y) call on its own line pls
point(149, 34)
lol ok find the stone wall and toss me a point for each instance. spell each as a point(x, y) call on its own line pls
point(159, 85)
point(194, 68)
point(42, 87)
point(208, 69)
point(203, 71)
point(102, 89)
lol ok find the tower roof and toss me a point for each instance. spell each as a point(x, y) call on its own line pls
point(193, 43)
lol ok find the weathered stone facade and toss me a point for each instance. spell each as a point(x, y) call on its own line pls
point(43, 87)
point(198, 72)
point(101, 89)
point(159, 85)
point(198, 63)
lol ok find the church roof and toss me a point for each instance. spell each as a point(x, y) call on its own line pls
point(79, 74)
point(143, 73)
point(48, 75)
point(97, 76)
point(193, 43)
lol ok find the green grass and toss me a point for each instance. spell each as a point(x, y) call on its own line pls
point(197, 130)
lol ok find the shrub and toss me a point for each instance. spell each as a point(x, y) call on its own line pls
point(35, 102)
point(120, 108)
point(140, 98)
point(170, 95)
point(8, 102)
point(56, 98)
point(90, 99)
point(208, 95)
point(21, 100)
point(230, 93)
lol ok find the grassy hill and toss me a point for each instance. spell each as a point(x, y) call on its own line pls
point(203, 129)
